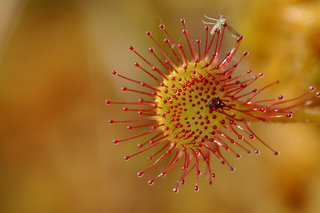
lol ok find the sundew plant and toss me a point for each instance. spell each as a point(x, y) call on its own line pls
point(202, 105)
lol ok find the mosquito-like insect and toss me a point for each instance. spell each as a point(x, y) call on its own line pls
point(219, 23)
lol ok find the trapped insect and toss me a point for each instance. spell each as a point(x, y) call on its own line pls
point(219, 23)
point(216, 103)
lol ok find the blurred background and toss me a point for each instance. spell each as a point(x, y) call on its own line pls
point(56, 58)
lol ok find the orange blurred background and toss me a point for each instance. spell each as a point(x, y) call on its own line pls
point(56, 153)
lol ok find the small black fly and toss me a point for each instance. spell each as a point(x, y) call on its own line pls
point(216, 103)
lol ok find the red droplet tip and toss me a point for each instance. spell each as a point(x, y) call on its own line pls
point(196, 188)
point(176, 190)
point(140, 174)
point(162, 27)
point(111, 121)
point(257, 152)
point(151, 182)
point(151, 49)
point(131, 48)
point(240, 38)
point(115, 142)
point(148, 33)
point(246, 53)
point(276, 153)
point(126, 157)
point(162, 174)
point(183, 21)
point(318, 94)
point(129, 127)
point(311, 88)
point(108, 102)
point(124, 88)
point(136, 64)
point(114, 72)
